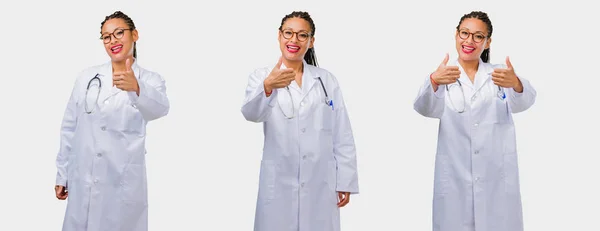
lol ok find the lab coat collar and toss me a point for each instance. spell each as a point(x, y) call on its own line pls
point(484, 71)
point(309, 78)
point(108, 90)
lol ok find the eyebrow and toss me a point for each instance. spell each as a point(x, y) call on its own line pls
point(289, 28)
point(106, 32)
point(470, 30)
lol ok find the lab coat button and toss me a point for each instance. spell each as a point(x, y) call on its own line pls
point(303, 130)
point(302, 185)
point(476, 152)
point(473, 98)
point(476, 124)
point(476, 178)
point(99, 154)
point(103, 128)
point(302, 104)
point(106, 102)
point(304, 157)
point(95, 181)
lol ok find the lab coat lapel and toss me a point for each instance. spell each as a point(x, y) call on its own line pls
point(484, 73)
point(464, 78)
point(107, 84)
point(108, 90)
point(309, 80)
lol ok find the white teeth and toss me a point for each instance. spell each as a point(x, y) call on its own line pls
point(294, 48)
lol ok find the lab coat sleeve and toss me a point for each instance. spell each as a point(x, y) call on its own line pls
point(67, 131)
point(343, 146)
point(152, 101)
point(429, 103)
point(519, 102)
point(257, 106)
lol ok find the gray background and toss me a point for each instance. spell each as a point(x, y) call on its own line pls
point(203, 158)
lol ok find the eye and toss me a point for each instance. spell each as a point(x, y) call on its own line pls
point(303, 35)
point(464, 33)
point(120, 32)
point(105, 37)
point(479, 36)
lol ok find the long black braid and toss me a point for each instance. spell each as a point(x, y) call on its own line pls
point(485, 55)
point(128, 21)
point(310, 56)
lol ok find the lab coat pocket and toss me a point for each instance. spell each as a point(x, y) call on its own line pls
point(72, 167)
point(267, 180)
point(332, 175)
point(129, 119)
point(511, 173)
point(324, 118)
point(133, 184)
point(441, 175)
point(502, 114)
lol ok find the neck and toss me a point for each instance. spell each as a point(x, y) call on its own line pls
point(296, 65)
point(469, 66)
point(120, 65)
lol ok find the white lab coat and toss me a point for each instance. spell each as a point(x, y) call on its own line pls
point(102, 155)
point(305, 160)
point(476, 179)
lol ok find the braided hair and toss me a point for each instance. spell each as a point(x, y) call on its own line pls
point(310, 56)
point(128, 21)
point(485, 55)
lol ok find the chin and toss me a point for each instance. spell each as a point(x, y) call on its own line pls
point(469, 57)
point(294, 57)
point(117, 57)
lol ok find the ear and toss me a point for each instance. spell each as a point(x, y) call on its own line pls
point(311, 42)
point(134, 34)
point(489, 41)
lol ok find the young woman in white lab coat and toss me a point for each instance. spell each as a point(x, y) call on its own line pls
point(476, 185)
point(308, 168)
point(101, 161)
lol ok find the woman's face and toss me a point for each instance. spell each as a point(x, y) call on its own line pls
point(295, 39)
point(472, 39)
point(118, 39)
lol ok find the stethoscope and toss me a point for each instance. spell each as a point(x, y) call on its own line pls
point(328, 101)
point(500, 94)
point(97, 77)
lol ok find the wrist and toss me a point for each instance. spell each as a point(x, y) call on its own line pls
point(432, 80)
point(519, 86)
point(268, 90)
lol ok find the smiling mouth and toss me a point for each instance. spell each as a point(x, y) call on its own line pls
point(468, 49)
point(116, 49)
point(292, 48)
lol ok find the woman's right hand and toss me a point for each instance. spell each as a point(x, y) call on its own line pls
point(61, 192)
point(279, 78)
point(445, 74)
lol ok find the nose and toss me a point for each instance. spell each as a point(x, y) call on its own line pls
point(294, 38)
point(113, 39)
point(470, 39)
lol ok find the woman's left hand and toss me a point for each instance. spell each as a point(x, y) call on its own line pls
point(126, 80)
point(507, 78)
point(343, 199)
